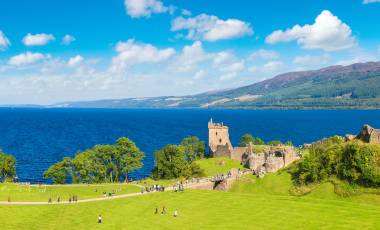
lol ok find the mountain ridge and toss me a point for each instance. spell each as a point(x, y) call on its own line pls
point(355, 86)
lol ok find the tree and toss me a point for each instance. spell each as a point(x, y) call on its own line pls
point(100, 164)
point(170, 163)
point(246, 139)
point(59, 171)
point(258, 141)
point(289, 143)
point(7, 166)
point(194, 148)
point(274, 143)
point(129, 157)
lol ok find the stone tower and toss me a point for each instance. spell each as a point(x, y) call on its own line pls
point(219, 140)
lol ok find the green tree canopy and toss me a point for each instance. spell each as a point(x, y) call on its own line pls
point(100, 164)
point(246, 139)
point(7, 166)
point(194, 148)
point(171, 162)
point(274, 143)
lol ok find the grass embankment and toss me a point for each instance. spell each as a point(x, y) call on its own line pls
point(42, 193)
point(280, 184)
point(215, 166)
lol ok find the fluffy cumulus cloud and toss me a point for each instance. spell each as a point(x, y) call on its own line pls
point(132, 53)
point(37, 39)
point(223, 57)
point(75, 61)
point(211, 28)
point(25, 59)
point(190, 57)
point(328, 33)
point(264, 54)
point(370, 1)
point(68, 39)
point(145, 8)
point(311, 60)
point(4, 41)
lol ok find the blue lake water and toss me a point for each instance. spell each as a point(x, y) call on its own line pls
point(41, 137)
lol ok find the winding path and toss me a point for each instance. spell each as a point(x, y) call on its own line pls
point(203, 182)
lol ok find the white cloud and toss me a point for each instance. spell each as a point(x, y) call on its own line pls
point(190, 56)
point(199, 74)
point(132, 53)
point(186, 12)
point(26, 59)
point(37, 39)
point(328, 33)
point(370, 1)
point(68, 39)
point(273, 66)
point(75, 61)
point(311, 60)
point(145, 8)
point(228, 76)
point(4, 41)
point(223, 57)
point(264, 54)
point(211, 28)
point(233, 67)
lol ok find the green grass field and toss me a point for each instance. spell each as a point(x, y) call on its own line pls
point(197, 210)
point(215, 166)
point(252, 203)
point(42, 193)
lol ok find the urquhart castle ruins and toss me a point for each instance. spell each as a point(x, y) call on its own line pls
point(270, 159)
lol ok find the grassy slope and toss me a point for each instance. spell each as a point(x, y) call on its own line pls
point(213, 166)
point(42, 193)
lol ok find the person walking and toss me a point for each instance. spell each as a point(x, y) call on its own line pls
point(156, 212)
point(175, 214)
point(163, 210)
point(99, 219)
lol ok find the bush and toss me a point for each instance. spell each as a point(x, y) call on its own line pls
point(355, 162)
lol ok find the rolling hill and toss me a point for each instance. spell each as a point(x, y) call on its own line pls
point(335, 87)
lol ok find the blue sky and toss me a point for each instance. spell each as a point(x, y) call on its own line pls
point(140, 48)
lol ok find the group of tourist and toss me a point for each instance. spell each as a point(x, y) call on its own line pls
point(73, 198)
point(178, 187)
point(153, 188)
point(163, 211)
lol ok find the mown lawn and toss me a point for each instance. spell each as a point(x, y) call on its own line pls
point(252, 204)
point(42, 193)
point(197, 210)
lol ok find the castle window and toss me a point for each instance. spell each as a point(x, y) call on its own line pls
point(220, 140)
point(216, 133)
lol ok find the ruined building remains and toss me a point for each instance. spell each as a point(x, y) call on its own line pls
point(270, 159)
point(369, 135)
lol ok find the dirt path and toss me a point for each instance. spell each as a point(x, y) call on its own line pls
point(199, 183)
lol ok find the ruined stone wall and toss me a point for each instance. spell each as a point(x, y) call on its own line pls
point(273, 163)
point(255, 162)
point(221, 151)
point(238, 152)
point(375, 137)
point(369, 135)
